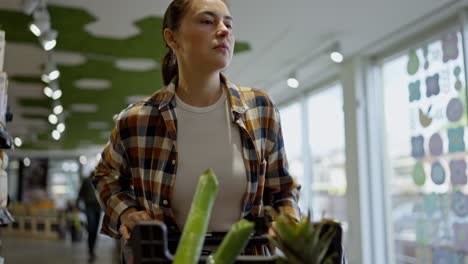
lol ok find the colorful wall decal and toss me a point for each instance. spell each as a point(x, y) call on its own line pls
point(456, 141)
point(423, 255)
point(424, 118)
point(423, 232)
point(446, 256)
point(425, 55)
point(454, 110)
point(460, 204)
point(413, 62)
point(430, 204)
point(419, 176)
point(450, 47)
point(456, 72)
point(460, 231)
point(458, 172)
point(414, 91)
point(417, 146)
point(436, 145)
point(432, 85)
point(437, 173)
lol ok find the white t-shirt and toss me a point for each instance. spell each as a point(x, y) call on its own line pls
point(207, 138)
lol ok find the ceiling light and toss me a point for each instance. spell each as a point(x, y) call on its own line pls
point(335, 53)
point(61, 127)
point(51, 73)
point(48, 91)
point(35, 30)
point(336, 57)
point(84, 108)
point(83, 160)
point(28, 6)
point(93, 84)
point(53, 119)
point(41, 22)
point(26, 162)
point(48, 39)
point(57, 94)
point(55, 135)
point(58, 109)
point(18, 142)
point(293, 83)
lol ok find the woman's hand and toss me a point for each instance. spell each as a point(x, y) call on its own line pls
point(129, 219)
point(271, 230)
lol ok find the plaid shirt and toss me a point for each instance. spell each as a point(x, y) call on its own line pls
point(138, 164)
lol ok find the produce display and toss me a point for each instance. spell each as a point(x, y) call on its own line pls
point(306, 242)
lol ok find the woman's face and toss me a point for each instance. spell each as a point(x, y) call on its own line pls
point(205, 38)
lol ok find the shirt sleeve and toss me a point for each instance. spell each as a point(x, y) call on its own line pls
point(113, 183)
point(279, 184)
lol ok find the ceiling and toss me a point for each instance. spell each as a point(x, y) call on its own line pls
point(108, 53)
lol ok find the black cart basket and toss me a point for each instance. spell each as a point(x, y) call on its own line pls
point(150, 244)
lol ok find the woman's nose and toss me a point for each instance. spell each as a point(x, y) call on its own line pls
point(223, 30)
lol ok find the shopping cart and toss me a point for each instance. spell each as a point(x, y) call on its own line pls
point(151, 244)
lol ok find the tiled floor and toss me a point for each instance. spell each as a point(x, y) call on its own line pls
point(17, 250)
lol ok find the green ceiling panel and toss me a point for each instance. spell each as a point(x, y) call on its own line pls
point(45, 103)
point(100, 54)
point(17, 26)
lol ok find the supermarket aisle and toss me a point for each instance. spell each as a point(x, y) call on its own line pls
point(17, 250)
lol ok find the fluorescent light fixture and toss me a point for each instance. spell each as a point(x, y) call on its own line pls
point(137, 65)
point(55, 135)
point(93, 84)
point(53, 119)
point(293, 83)
point(84, 108)
point(18, 142)
point(58, 109)
point(61, 127)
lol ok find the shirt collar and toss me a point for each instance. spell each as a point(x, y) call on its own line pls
point(233, 92)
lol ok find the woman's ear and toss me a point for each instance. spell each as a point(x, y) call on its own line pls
point(169, 36)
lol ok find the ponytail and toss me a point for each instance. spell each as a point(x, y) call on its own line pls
point(169, 67)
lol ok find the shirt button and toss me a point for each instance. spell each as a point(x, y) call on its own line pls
point(165, 202)
point(173, 162)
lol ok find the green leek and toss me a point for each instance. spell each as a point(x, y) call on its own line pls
point(193, 235)
point(234, 242)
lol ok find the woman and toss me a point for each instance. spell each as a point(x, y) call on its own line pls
point(161, 145)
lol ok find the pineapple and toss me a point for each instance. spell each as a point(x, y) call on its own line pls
point(305, 242)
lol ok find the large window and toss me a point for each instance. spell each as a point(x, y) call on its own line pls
point(327, 148)
point(313, 131)
point(425, 120)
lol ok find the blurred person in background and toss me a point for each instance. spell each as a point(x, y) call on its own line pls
point(93, 213)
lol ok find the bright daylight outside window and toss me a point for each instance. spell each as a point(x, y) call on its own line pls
point(325, 185)
point(327, 148)
point(425, 119)
point(291, 126)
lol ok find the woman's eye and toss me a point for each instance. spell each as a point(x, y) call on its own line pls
point(207, 22)
point(229, 26)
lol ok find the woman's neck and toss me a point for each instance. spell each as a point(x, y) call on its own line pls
point(199, 89)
